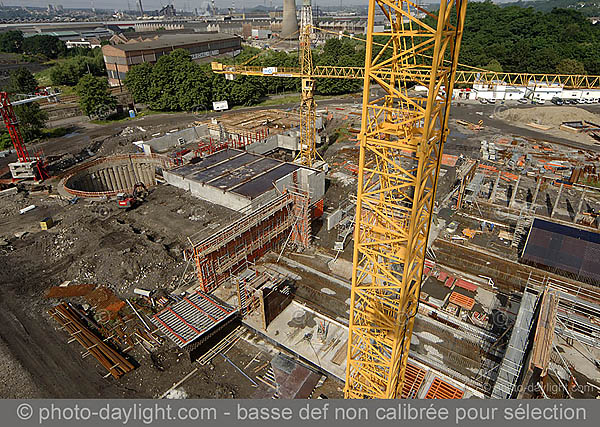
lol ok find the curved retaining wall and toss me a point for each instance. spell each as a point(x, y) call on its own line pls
point(109, 176)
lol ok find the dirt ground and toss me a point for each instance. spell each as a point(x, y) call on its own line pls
point(94, 242)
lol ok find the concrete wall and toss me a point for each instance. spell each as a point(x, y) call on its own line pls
point(289, 141)
point(114, 176)
point(208, 193)
point(176, 180)
point(171, 140)
point(263, 147)
point(310, 179)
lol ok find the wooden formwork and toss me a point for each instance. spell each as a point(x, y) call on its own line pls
point(442, 390)
point(413, 380)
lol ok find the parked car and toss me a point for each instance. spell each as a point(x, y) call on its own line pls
point(557, 101)
point(483, 100)
point(523, 101)
point(492, 100)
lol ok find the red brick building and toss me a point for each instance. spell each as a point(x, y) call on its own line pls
point(120, 58)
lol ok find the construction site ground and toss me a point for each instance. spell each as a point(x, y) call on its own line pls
point(94, 242)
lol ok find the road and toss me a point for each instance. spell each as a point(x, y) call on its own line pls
point(85, 132)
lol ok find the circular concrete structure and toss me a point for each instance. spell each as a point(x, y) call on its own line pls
point(108, 176)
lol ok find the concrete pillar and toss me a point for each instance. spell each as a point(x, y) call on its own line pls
point(137, 173)
point(121, 177)
point(495, 190)
point(118, 177)
point(131, 174)
point(104, 180)
point(100, 180)
point(537, 191)
point(111, 176)
point(580, 205)
point(127, 175)
point(557, 201)
point(152, 173)
point(514, 195)
point(147, 175)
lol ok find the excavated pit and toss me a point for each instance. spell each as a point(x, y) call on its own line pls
point(108, 176)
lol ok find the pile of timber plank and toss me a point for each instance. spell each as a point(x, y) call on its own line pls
point(70, 320)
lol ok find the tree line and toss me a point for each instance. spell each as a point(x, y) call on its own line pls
point(48, 46)
point(176, 83)
point(523, 39)
point(72, 63)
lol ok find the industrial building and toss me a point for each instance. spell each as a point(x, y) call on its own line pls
point(120, 58)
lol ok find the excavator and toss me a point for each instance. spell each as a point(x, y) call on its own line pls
point(137, 196)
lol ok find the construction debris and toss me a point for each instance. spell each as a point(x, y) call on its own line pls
point(69, 319)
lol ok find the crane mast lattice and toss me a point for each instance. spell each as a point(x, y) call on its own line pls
point(401, 144)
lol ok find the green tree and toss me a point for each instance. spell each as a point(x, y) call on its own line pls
point(11, 42)
point(32, 118)
point(22, 81)
point(138, 82)
point(49, 46)
point(570, 66)
point(5, 141)
point(71, 70)
point(178, 84)
point(494, 65)
point(95, 99)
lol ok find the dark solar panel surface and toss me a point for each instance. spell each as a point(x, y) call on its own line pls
point(207, 162)
point(566, 248)
point(244, 173)
point(265, 182)
point(230, 168)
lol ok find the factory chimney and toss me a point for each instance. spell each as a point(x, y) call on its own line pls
point(290, 21)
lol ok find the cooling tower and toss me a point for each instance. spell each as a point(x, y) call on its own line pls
point(290, 22)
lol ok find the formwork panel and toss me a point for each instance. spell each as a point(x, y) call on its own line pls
point(442, 390)
point(462, 300)
point(413, 380)
point(189, 319)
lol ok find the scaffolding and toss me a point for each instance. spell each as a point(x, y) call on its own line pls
point(228, 251)
point(578, 311)
point(302, 215)
point(511, 368)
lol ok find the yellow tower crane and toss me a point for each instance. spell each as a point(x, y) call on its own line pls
point(401, 144)
point(307, 154)
point(309, 73)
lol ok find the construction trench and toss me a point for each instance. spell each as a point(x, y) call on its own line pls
point(232, 278)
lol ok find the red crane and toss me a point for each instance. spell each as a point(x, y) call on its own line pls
point(12, 124)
